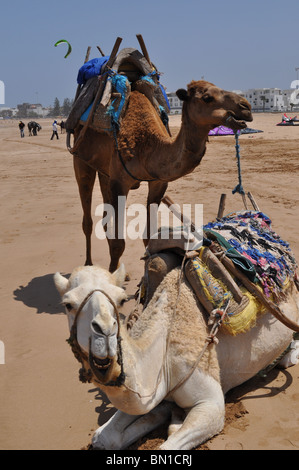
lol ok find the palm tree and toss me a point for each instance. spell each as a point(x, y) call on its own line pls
point(263, 98)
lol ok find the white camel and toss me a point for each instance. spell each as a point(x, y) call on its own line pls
point(149, 370)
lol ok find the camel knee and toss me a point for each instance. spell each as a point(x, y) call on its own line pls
point(202, 422)
point(204, 418)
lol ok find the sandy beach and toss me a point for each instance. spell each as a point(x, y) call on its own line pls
point(42, 403)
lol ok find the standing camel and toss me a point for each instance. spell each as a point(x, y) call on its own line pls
point(144, 151)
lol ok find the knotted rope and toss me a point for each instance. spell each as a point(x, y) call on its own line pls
point(239, 188)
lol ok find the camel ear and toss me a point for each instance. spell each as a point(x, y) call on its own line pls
point(119, 275)
point(182, 94)
point(60, 283)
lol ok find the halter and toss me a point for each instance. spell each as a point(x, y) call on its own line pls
point(85, 373)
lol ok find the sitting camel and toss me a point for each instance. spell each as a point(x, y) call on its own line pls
point(166, 358)
point(144, 151)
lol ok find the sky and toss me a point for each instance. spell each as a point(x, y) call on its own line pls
point(236, 45)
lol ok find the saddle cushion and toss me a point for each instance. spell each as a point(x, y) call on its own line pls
point(213, 293)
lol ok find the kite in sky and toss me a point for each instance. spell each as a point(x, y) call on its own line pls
point(69, 48)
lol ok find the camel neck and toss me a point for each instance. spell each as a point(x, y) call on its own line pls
point(194, 140)
point(179, 156)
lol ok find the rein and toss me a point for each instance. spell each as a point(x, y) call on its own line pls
point(85, 373)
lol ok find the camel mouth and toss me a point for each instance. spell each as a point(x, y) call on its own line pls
point(99, 366)
point(234, 123)
point(102, 363)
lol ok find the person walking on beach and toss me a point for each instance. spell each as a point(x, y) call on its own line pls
point(21, 127)
point(54, 127)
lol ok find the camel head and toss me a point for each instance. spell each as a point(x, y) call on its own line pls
point(209, 106)
point(91, 297)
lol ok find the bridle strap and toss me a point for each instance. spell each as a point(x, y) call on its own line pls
point(84, 302)
point(81, 356)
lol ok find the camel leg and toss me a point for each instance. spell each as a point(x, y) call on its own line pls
point(204, 419)
point(156, 191)
point(117, 245)
point(292, 357)
point(122, 429)
point(111, 191)
point(85, 176)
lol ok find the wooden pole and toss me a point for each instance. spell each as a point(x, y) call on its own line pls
point(196, 231)
point(87, 54)
point(244, 201)
point(254, 204)
point(101, 52)
point(86, 60)
point(221, 206)
point(143, 48)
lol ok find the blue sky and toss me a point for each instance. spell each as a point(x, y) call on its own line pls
point(234, 44)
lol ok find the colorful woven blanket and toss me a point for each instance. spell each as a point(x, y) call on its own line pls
point(249, 241)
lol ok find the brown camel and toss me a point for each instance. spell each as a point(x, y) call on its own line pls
point(144, 151)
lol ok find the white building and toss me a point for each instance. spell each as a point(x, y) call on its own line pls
point(265, 99)
point(12, 111)
point(261, 100)
point(272, 99)
point(175, 103)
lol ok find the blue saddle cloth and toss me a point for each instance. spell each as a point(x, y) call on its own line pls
point(92, 68)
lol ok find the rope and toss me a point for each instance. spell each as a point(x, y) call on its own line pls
point(239, 187)
point(211, 338)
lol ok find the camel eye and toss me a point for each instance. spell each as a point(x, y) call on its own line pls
point(68, 306)
point(207, 98)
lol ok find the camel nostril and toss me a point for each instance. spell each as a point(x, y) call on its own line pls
point(96, 328)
